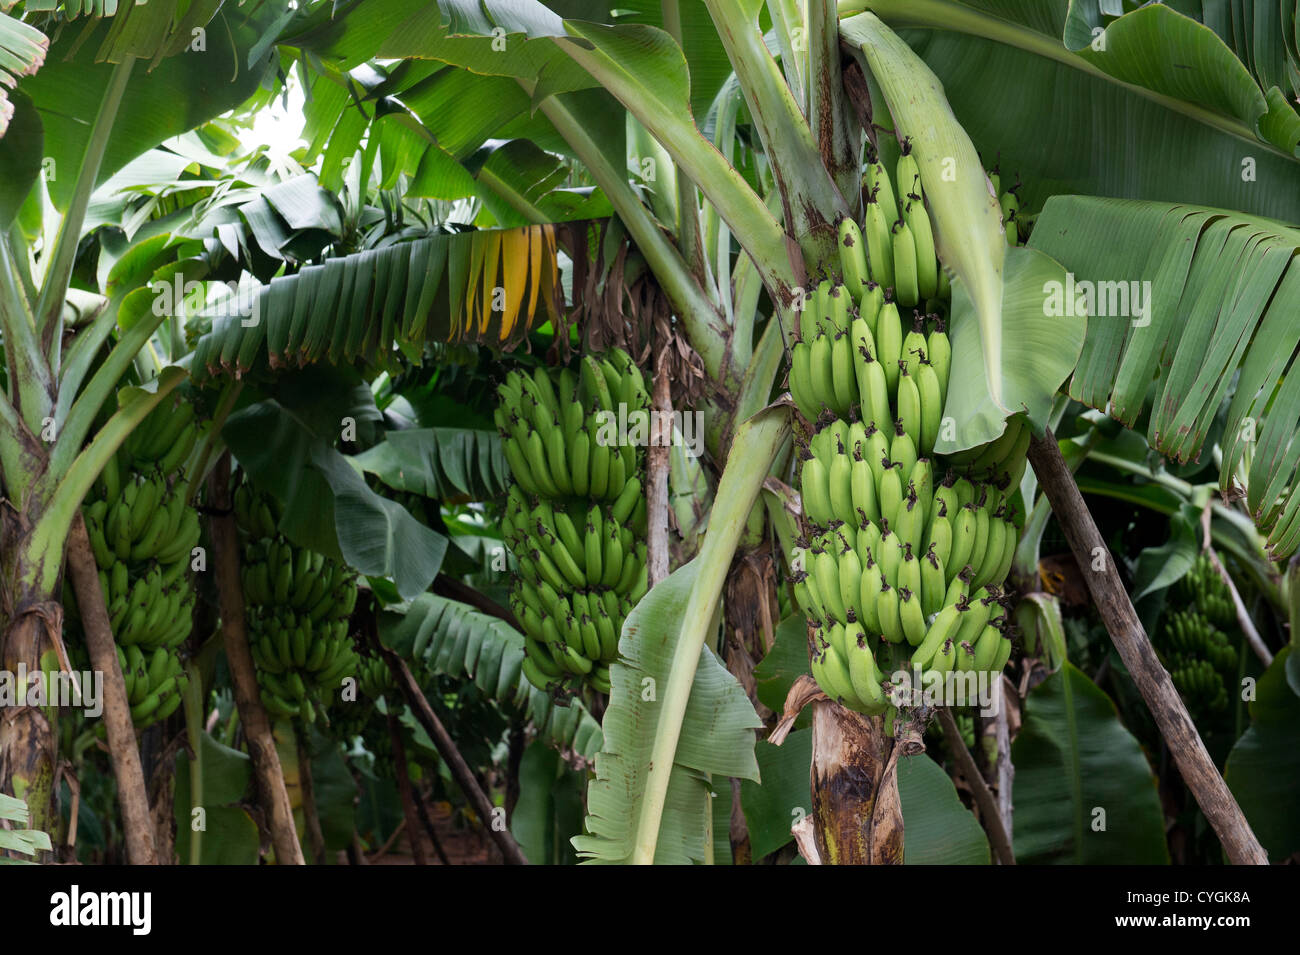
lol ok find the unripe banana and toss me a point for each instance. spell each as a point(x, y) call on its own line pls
point(906, 290)
point(862, 486)
point(879, 187)
point(927, 263)
point(843, 373)
point(816, 492)
point(963, 539)
point(801, 389)
point(834, 677)
point(853, 257)
point(887, 607)
point(931, 405)
point(909, 407)
point(839, 483)
point(939, 353)
point(903, 453)
point(864, 677)
point(821, 369)
point(890, 492)
point(871, 583)
point(880, 254)
point(869, 305)
point(910, 615)
point(889, 343)
point(826, 568)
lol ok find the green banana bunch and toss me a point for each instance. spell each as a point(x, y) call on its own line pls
point(155, 683)
point(164, 439)
point(1009, 201)
point(903, 554)
point(142, 533)
point(298, 604)
point(575, 514)
point(561, 438)
point(1198, 643)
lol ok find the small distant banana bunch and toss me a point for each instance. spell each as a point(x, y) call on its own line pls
point(904, 555)
point(1010, 204)
point(298, 603)
point(374, 678)
point(1193, 644)
point(155, 683)
point(142, 532)
point(575, 515)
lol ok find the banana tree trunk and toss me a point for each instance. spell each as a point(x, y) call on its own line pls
point(33, 624)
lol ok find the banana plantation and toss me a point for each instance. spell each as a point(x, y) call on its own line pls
point(452, 432)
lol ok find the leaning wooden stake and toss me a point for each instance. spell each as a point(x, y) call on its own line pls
point(416, 838)
point(999, 841)
point(1135, 649)
point(257, 728)
point(446, 747)
point(132, 794)
point(315, 837)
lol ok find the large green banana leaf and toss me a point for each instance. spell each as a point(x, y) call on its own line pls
point(1083, 790)
point(677, 719)
point(286, 445)
point(498, 283)
point(1162, 109)
point(549, 810)
point(23, 840)
point(461, 642)
point(174, 96)
point(22, 51)
point(230, 835)
point(1219, 296)
point(783, 797)
point(937, 828)
point(1263, 769)
point(716, 737)
point(440, 462)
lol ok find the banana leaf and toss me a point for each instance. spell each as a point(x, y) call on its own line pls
point(1263, 769)
point(1162, 110)
point(327, 505)
point(678, 722)
point(783, 797)
point(165, 96)
point(26, 841)
point(439, 462)
point(937, 828)
point(1084, 793)
point(22, 52)
point(549, 810)
point(230, 836)
point(1219, 294)
point(716, 737)
point(357, 306)
point(455, 639)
